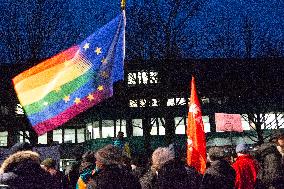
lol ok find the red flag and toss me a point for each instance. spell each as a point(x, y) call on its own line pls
point(196, 141)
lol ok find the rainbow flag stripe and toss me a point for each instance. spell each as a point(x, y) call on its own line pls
point(61, 87)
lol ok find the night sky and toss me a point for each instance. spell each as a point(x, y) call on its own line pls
point(33, 31)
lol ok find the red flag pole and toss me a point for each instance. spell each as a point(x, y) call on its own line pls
point(196, 141)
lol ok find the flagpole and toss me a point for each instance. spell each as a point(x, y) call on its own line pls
point(122, 5)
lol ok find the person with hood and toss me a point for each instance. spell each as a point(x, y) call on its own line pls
point(167, 171)
point(271, 173)
point(22, 170)
point(246, 168)
point(220, 174)
point(109, 172)
point(88, 165)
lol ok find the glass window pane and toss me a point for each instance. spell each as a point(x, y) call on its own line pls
point(133, 103)
point(81, 135)
point(69, 135)
point(131, 78)
point(206, 123)
point(171, 102)
point(153, 77)
point(107, 128)
point(179, 123)
point(137, 127)
point(180, 101)
point(42, 139)
point(245, 123)
point(3, 138)
point(22, 136)
point(154, 102)
point(57, 135)
point(121, 126)
point(89, 131)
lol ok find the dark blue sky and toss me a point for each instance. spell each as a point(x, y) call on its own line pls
point(218, 29)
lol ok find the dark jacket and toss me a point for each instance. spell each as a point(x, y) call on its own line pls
point(114, 177)
point(220, 175)
point(22, 171)
point(148, 180)
point(174, 175)
point(72, 173)
point(271, 174)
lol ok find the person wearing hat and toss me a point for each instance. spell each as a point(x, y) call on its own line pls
point(110, 173)
point(220, 174)
point(49, 165)
point(246, 168)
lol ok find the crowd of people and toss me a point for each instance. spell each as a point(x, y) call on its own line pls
point(113, 167)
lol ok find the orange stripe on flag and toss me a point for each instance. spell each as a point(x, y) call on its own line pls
point(60, 58)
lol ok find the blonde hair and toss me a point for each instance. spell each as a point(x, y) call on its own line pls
point(160, 156)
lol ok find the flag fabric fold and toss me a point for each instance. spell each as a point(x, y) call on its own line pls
point(61, 87)
point(196, 141)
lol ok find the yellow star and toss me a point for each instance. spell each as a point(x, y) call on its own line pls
point(90, 97)
point(100, 88)
point(104, 61)
point(77, 100)
point(66, 98)
point(86, 46)
point(98, 50)
point(104, 74)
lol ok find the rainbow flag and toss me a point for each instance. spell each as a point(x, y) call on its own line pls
point(61, 87)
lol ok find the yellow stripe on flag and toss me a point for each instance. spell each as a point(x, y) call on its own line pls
point(47, 75)
point(63, 77)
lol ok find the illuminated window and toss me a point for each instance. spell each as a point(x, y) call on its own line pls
point(107, 128)
point(81, 135)
point(137, 127)
point(133, 103)
point(42, 139)
point(176, 102)
point(57, 135)
point(3, 138)
point(121, 126)
point(206, 123)
point(19, 109)
point(143, 77)
point(157, 126)
point(24, 135)
point(96, 129)
point(69, 135)
point(132, 79)
point(180, 125)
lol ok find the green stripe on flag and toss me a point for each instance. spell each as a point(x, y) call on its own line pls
point(55, 96)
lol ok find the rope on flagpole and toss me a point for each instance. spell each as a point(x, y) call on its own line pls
point(122, 4)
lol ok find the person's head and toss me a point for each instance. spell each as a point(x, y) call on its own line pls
point(280, 143)
point(120, 135)
point(88, 160)
point(48, 164)
point(215, 153)
point(160, 156)
point(242, 149)
point(108, 155)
